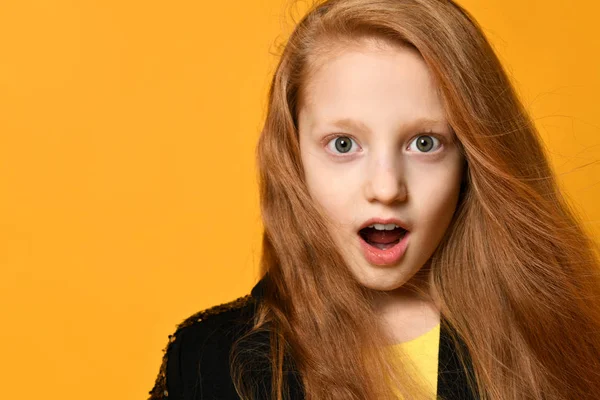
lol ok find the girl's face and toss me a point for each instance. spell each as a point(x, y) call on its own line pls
point(376, 147)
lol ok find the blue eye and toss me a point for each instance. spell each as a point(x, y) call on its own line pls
point(341, 144)
point(425, 143)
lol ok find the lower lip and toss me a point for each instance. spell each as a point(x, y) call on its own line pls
point(388, 256)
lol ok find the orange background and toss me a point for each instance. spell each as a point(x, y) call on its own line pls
point(127, 181)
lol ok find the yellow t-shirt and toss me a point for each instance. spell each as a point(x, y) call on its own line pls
point(423, 351)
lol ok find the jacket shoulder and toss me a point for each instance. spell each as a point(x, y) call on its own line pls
point(195, 361)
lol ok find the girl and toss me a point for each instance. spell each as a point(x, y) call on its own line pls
point(405, 195)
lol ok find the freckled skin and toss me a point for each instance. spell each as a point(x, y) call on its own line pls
point(383, 172)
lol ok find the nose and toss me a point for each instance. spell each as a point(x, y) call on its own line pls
point(385, 182)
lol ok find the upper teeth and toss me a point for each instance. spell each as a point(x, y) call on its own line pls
point(384, 227)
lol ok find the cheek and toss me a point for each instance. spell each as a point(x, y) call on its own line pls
point(436, 201)
point(329, 185)
point(335, 194)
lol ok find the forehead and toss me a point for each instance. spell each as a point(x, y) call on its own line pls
point(371, 78)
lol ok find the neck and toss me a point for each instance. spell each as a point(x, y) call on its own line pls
point(410, 310)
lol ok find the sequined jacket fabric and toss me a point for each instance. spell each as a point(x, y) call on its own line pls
point(195, 364)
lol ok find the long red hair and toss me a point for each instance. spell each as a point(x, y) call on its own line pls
point(516, 275)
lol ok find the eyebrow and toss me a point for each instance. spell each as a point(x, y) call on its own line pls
point(351, 124)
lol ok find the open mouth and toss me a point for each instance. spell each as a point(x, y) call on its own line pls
point(382, 238)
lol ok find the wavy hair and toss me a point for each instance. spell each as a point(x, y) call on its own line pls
point(516, 275)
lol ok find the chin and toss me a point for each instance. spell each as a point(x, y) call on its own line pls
point(380, 279)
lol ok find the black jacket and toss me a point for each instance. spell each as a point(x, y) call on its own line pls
point(195, 364)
